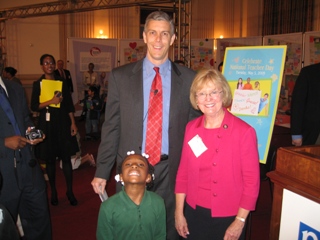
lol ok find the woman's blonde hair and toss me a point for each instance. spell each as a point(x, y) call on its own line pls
point(210, 75)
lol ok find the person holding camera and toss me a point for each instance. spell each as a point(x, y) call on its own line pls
point(58, 124)
point(22, 185)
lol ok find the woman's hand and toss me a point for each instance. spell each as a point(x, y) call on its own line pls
point(57, 98)
point(234, 230)
point(181, 225)
point(74, 129)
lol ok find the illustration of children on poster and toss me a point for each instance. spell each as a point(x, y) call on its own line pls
point(250, 101)
point(255, 76)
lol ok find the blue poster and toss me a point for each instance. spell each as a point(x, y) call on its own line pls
point(255, 75)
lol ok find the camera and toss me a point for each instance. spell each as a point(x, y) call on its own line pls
point(34, 134)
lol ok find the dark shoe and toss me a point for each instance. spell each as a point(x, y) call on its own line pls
point(73, 201)
point(54, 199)
point(87, 138)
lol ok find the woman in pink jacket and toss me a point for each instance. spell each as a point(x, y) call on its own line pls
point(217, 183)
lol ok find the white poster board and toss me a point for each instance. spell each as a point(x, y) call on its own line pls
point(201, 56)
point(311, 48)
point(82, 51)
point(293, 65)
point(246, 102)
point(294, 42)
point(131, 50)
point(299, 218)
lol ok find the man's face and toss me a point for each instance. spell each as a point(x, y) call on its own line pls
point(60, 65)
point(158, 40)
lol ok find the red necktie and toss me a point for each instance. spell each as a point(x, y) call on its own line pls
point(154, 125)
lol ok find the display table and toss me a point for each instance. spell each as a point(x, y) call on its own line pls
point(297, 170)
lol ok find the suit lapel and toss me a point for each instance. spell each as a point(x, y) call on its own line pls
point(176, 88)
point(14, 104)
point(11, 95)
point(136, 78)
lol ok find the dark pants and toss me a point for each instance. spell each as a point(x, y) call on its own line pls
point(28, 199)
point(67, 172)
point(8, 229)
point(163, 188)
point(203, 227)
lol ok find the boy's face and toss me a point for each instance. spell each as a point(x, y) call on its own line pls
point(90, 93)
point(135, 170)
point(91, 67)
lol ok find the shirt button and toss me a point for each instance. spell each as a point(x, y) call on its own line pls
point(214, 164)
point(215, 181)
point(215, 194)
point(217, 150)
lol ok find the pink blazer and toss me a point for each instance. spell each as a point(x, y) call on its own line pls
point(234, 160)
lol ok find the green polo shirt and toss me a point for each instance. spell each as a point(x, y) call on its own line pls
point(121, 219)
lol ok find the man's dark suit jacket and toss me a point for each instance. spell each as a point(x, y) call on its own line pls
point(305, 105)
point(123, 126)
point(21, 112)
point(25, 174)
point(68, 78)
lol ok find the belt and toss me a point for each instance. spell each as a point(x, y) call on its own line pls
point(164, 157)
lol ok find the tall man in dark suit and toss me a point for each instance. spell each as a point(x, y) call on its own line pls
point(64, 74)
point(23, 189)
point(305, 107)
point(127, 110)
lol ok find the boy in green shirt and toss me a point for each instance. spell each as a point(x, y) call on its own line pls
point(133, 213)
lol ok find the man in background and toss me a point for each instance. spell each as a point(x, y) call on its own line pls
point(64, 74)
point(305, 107)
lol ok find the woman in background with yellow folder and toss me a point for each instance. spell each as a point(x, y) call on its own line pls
point(58, 124)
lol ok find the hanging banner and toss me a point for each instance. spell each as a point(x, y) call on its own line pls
point(82, 51)
point(312, 48)
point(201, 55)
point(131, 50)
point(255, 75)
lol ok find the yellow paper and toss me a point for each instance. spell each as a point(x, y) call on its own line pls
point(48, 87)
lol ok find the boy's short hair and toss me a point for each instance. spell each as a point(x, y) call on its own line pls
point(93, 89)
point(150, 171)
